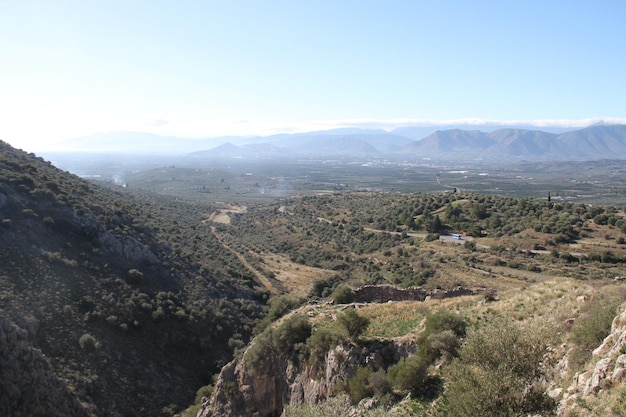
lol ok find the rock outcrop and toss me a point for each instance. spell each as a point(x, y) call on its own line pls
point(239, 391)
point(28, 385)
point(609, 368)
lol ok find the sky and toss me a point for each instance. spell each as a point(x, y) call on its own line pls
point(210, 68)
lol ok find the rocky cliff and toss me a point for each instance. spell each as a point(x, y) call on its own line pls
point(606, 372)
point(240, 391)
point(595, 390)
point(28, 385)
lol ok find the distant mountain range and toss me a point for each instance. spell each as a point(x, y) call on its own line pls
point(591, 143)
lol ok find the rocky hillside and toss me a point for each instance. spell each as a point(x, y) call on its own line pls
point(28, 384)
point(599, 390)
point(129, 300)
point(552, 371)
point(243, 390)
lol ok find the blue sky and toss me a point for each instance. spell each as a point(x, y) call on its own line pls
point(208, 68)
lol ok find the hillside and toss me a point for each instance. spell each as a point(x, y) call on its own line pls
point(543, 270)
point(120, 301)
point(129, 299)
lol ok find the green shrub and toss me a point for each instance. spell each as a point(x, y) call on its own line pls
point(259, 355)
point(379, 383)
point(499, 372)
point(442, 335)
point(282, 305)
point(205, 391)
point(342, 294)
point(158, 314)
point(88, 343)
point(410, 374)
point(135, 276)
point(354, 324)
point(285, 339)
point(431, 237)
point(292, 333)
point(358, 385)
point(321, 341)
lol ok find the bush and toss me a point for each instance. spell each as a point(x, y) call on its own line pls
point(342, 294)
point(499, 372)
point(379, 383)
point(366, 383)
point(320, 342)
point(354, 324)
point(285, 339)
point(410, 374)
point(259, 355)
point(88, 343)
point(282, 305)
point(292, 333)
point(443, 332)
point(205, 391)
point(135, 276)
point(358, 385)
point(431, 237)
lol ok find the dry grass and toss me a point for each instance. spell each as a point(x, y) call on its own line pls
point(391, 320)
point(296, 279)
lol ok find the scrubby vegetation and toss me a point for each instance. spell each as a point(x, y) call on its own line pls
point(500, 372)
point(119, 287)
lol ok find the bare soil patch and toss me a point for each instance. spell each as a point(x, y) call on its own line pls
point(223, 215)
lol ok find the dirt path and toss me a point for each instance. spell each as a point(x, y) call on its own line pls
point(261, 279)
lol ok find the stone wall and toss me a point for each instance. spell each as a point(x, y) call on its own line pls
point(385, 293)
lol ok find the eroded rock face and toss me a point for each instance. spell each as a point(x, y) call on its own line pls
point(28, 385)
point(241, 392)
point(609, 367)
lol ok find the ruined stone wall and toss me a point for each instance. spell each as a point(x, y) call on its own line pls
point(385, 293)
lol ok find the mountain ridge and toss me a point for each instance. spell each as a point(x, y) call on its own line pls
point(502, 144)
point(596, 142)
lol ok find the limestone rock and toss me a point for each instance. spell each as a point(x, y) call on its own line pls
point(240, 392)
point(599, 374)
point(619, 370)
